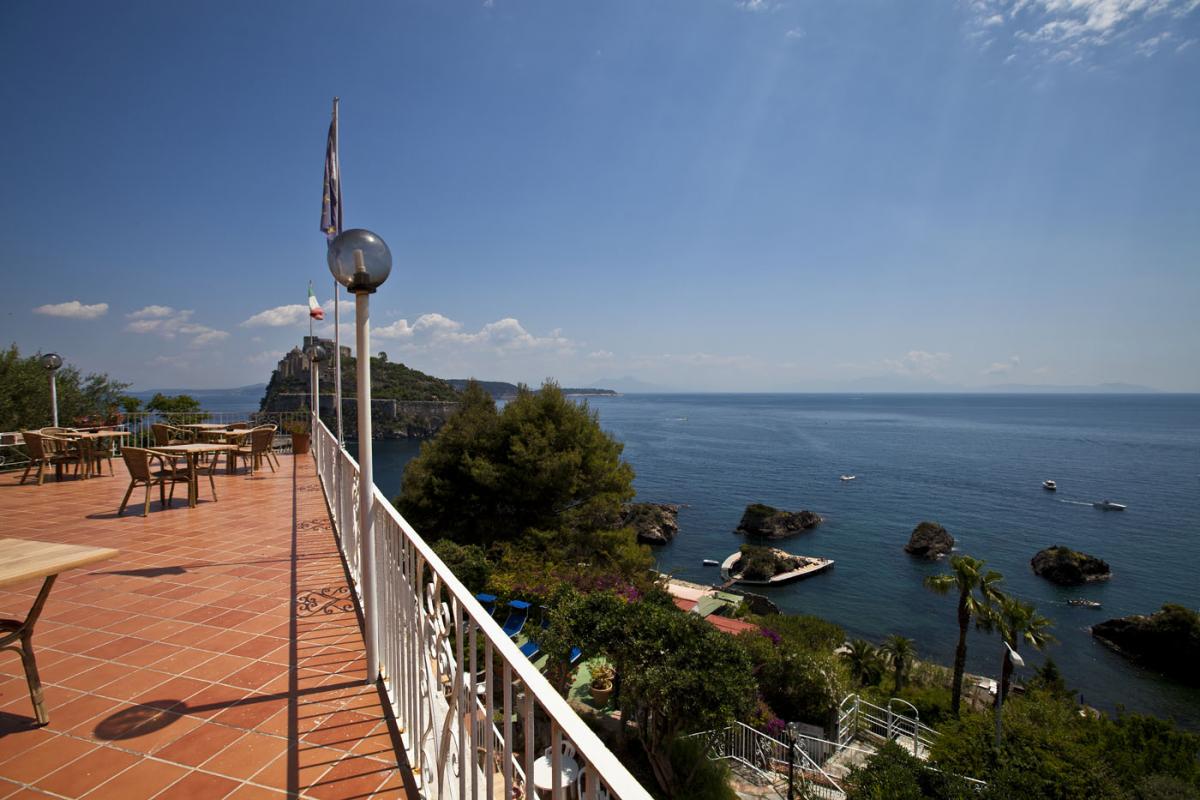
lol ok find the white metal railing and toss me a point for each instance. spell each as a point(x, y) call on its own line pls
point(473, 712)
point(768, 758)
point(857, 716)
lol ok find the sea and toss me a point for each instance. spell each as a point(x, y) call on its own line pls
point(974, 463)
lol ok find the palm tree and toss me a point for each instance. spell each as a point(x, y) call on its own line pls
point(899, 652)
point(1017, 621)
point(863, 660)
point(967, 578)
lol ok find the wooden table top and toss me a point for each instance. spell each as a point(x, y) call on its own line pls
point(205, 426)
point(23, 559)
point(194, 447)
point(99, 434)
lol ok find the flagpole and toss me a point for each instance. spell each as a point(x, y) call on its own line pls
point(337, 326)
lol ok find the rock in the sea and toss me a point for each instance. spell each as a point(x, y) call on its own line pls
point(655, 523)
point(1068, 567)
point(1168, 640)
point(929, 540)
point(764, 522)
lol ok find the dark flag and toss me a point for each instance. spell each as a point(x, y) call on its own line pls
point(331, 202)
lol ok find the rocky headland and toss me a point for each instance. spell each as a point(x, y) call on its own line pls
point(654, 523)
point(1167, 640)
point(766, 522)
point(930, 541)
point(1068, 567)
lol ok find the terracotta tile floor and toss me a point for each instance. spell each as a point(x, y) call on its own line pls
point(216, 656)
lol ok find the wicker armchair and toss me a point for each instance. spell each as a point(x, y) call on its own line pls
point(261, 439)
point(165, 435)
point(143, 473)
point(46, 451)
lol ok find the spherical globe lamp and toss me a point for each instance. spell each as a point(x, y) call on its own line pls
point(52, 361)
point(316, 354)
point(359, 260)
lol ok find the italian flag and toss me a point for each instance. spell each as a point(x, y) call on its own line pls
point(314, 308)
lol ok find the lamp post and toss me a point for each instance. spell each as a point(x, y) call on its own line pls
point(316, 354)
point(791, 743)
point(1009, 653)
point(52, 362)
point(361, 262)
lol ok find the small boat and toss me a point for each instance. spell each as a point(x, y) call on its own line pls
point(1050, 485)
point(711, 562)
point(1109, 505)
point(1079, 601)
point(849, 477)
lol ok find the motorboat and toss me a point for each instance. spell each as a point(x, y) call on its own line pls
point(1050, 485)
point(711, 562)
point(849, 477)
point(1109, 505)
point(1083, 602)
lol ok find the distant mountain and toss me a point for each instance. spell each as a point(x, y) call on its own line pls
point(1097, 388)
point(255, 390)
point(630, 384)
point(499, 390)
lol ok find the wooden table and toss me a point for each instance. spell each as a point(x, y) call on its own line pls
point(25, 559)
point(193, 452)
point(87, 441)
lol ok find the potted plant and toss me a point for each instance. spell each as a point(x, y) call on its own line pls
point(299, 431)
point(602, 683)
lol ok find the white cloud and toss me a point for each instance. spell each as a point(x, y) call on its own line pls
point(1071, 30)
point(152, 312)
point(266, 357)
point(600, 355)
point(917, 362)
point(168, 323)
point(794, 33)
point(1003, 367)
point(758, 6)
point(438, 331)
point(1042, 371)
point(285, 316)
point(73, 310)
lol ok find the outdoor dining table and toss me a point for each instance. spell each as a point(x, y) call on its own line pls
point(232, 437)
point(543, 772)
point(88, 441)
point(193, 452)
point(26, 559)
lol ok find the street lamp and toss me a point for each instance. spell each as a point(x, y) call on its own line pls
point(792, 729)
point(52, 362)
point(1017, 661)
point(316, 354)
point(361, 261)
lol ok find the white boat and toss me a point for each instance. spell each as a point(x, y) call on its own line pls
point(1079, 601)
point(1109, 505)
point(849, 477)
point(711, 562)
point(1051, 485)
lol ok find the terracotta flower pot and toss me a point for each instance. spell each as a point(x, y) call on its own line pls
point(601, 695)
point(299, 444)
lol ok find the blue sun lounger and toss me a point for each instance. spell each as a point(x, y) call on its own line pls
point(531, 650)
point(518, 612)
point(488, 601)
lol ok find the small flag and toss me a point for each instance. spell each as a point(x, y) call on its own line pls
point(314, 308)
point(331, 200)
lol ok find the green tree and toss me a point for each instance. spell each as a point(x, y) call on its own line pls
point(25, 393)
point(895, 774)
point(864, 662)
point(542, 464)
point(899, 653)
point(1016, 621)
point(976, 591)
point(173, 404)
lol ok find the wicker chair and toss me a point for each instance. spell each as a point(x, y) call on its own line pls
point(166, 435)
point(141, 473)
point(261, 439)
point(46, 451)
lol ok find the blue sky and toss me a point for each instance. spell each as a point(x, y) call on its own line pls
point(708, 194)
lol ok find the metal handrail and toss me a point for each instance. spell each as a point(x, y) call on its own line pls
point(423, 611)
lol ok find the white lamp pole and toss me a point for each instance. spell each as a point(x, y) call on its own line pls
point(361, 262)
point(1017, 661)
point(52, 362)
